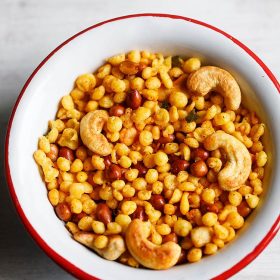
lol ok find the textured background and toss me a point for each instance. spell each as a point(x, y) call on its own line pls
point(30, 29)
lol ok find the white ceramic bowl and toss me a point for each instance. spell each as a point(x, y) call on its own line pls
point(84, 52)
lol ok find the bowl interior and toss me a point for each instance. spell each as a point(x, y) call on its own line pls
point(84, 54)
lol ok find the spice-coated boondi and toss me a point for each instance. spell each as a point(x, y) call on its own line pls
point(155, 157)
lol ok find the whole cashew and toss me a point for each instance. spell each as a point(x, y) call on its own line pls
point(90, 129)
point(111, 252)
point(210, 78)
point(148, 254)
point(238, 165)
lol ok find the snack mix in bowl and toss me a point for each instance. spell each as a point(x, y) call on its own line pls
point(152, 161)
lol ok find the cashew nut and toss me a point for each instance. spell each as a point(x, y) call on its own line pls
point(210, 78)
point(111, 252)
point(90, 129)
point(148, 254)
point(238, 165)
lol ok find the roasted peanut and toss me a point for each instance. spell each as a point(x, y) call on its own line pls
point(103, 213)
point(114, 172)
point(117, 110)
point(139, 213)
point(199, 154)
point(243, 209)
point(157, 201)
point(66, 153)
point(63, 212)
point(168, 139)
point(53, 154)
point(134, 99)
point(129, 68)
point(179, 165)
point(199, 168)
point(141, 168)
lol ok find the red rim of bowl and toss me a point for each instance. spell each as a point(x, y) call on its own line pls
point(71, 268)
